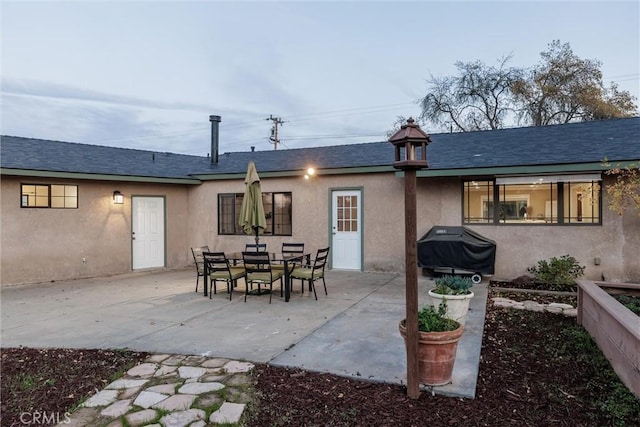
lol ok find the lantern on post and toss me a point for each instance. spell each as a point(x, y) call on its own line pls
point(410, 144)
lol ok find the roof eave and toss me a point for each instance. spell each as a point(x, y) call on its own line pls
point(526, 169)
point(300, 173)
point(97, 177)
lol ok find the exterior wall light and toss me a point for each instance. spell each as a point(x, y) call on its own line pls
point(310, 173)
point(118, 198)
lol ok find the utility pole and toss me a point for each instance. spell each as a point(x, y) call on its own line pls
point(274, 130)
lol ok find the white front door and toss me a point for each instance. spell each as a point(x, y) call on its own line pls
point(346, 228)
point(147, 232)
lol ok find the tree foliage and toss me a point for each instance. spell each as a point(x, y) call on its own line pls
point(478, 98)
point(565, 88)
point(562, 88)
point(624, 193)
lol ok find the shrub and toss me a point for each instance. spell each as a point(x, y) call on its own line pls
point(629, 301)
point(558, 272)
point(453, 285)
point(432, 320)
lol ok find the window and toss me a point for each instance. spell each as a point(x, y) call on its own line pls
point(347, 213)
point(581, 202)
point(528, 203)
point(277, 210)
point(561, 199)
point(49, 196)
point(478, 202)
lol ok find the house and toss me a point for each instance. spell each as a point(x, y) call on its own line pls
point(536, 191)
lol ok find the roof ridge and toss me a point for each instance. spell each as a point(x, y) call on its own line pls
point(110, 147)
point(522, 128)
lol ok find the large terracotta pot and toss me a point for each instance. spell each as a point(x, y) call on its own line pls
point(457, 305)
point(436, 354)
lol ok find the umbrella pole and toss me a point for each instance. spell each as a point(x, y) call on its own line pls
point(257, 237)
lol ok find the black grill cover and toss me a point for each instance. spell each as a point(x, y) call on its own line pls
point(458, 248)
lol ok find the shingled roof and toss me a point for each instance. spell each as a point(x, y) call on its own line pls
point(58, 156)
point(576, 143)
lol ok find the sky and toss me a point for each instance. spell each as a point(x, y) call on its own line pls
point(148, 74)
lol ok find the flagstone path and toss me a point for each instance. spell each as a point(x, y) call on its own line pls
point(171, 391)
point(554, 307)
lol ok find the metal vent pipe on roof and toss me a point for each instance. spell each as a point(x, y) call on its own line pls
point(215, 136)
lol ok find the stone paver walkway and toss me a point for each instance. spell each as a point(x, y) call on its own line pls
point(554, 307)
point(171, 391)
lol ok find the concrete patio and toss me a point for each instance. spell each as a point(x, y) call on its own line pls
point(351, 332)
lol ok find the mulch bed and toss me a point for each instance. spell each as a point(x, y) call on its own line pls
point(45, 383)
point(532, 373)
point(528, 282)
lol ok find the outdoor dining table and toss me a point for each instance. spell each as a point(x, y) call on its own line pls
point(236, 259)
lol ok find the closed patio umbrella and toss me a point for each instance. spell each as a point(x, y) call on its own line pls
point(252, 219)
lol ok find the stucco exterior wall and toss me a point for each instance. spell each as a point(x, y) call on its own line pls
point(50, 244)
point(616, 242)
point(382, 213)
point(58, 244)
point(310, 210)
point(629, 243)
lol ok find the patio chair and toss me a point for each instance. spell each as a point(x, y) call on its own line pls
point(197, 257)
point(218, 268)
point(290, 250)
point(313, 272)
point(255, 247)
point(258, 268)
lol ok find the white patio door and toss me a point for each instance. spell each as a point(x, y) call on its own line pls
point(346, 229)
point(147, 232)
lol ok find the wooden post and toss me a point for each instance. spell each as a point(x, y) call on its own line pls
point(413, 376)
point(407, 140)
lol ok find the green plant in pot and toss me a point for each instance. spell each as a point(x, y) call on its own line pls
point(456, 291)
point(437, 346)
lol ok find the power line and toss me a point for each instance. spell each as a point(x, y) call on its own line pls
point(301, 117)
point(621, 75)
point(375, 108)
point(360, 135)
point(258, 122)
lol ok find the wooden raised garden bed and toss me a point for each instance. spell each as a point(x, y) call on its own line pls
point(615, 328)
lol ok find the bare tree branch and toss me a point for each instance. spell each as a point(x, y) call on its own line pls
point(479, 97)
